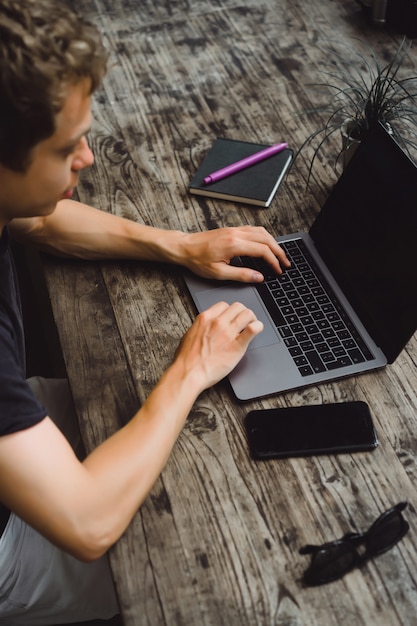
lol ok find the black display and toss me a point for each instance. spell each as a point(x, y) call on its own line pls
point(311, 429)
point(369, 240)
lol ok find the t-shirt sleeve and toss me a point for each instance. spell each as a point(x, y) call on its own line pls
point(19, 408)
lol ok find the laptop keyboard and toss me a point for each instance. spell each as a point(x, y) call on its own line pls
point(310, 319)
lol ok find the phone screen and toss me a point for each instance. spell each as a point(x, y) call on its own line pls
point(311, 429)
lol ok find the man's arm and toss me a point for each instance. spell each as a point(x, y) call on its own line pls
point(85, 507)
point(78, 230)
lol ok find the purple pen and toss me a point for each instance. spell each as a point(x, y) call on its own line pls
point(240, 165)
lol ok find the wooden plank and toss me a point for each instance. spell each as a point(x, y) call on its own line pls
point(88, 333)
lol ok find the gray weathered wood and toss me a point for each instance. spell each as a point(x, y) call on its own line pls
point(216, 542)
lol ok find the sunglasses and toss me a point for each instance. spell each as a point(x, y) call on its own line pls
point(333, 560)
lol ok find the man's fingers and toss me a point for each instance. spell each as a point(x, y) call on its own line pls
point(251, 330)
point(242, 319)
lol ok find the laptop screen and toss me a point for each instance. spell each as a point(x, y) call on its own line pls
point(367, 235)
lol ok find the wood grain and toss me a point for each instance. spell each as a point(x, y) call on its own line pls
point(216, 542)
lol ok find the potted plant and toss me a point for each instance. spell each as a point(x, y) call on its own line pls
point(362, 95)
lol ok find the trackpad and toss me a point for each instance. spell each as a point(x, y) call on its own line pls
point(248, 297)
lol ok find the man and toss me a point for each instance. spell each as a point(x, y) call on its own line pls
point(59, 515)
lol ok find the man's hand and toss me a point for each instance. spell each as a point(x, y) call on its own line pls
point(209, 253)
point(216, 342)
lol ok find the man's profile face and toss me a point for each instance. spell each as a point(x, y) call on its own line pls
point(55, 162)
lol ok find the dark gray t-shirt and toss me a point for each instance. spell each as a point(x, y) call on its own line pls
point(19, 409)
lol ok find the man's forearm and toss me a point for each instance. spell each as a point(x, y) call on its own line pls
point(125, 467)
point(77, 230)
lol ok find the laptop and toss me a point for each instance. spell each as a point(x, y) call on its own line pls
point(348, 304)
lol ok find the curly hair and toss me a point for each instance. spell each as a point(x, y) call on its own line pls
point(44, 47)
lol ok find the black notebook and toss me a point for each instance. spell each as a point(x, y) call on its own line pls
point(256, 184)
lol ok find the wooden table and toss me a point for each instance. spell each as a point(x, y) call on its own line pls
point(217, 540)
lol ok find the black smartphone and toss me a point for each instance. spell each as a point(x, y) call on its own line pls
point(311, 429)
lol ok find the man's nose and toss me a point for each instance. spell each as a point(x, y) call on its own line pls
point(84, 157)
